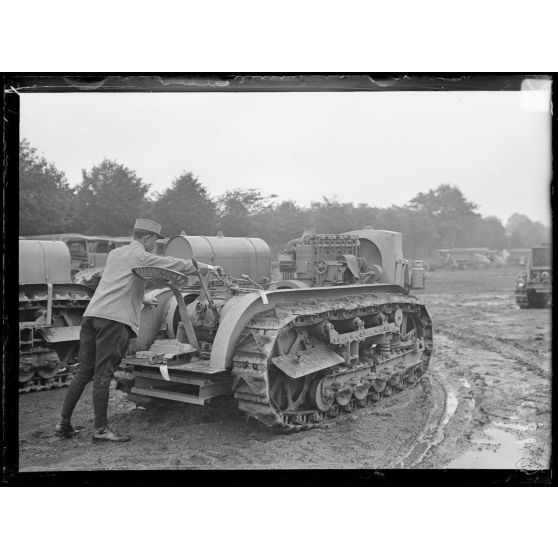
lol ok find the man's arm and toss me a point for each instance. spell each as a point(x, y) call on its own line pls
point(176, 264)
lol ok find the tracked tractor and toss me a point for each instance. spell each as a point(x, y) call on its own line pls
point(338, 331)
point(50, 311)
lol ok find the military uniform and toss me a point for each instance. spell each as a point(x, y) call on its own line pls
point(111, 318)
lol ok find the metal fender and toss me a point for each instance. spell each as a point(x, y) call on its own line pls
point(238, 312)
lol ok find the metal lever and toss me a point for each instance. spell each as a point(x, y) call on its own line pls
point(185, 318)
point(206, 290)
point(248, 278)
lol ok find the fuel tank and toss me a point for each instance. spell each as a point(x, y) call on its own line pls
point(43, 261)
point(237, 255)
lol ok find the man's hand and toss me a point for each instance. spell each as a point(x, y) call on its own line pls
point(206, 269)
point(218, 270)
point(150, 300)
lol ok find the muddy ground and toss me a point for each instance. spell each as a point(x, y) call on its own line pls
point(491, 381)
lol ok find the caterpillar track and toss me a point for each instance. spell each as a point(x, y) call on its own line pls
point(62, 379)
point(49, 335)
point(304, 364)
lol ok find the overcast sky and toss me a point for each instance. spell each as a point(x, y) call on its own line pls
point(379, 148)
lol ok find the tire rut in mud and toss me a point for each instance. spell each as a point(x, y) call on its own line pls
point(521, 354)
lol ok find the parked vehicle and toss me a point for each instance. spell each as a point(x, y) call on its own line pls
point(518, 257)
point(533, 288)
point(86, 251)
point(50, 311)
point(338, 331)
point(464, 258)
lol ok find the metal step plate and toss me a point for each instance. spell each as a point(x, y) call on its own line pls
point(310, 360)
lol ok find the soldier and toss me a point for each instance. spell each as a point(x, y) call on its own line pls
point(109, 322)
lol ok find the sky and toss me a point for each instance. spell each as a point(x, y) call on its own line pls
point(379, 148)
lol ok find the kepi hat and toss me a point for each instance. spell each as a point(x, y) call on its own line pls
point(148, 225)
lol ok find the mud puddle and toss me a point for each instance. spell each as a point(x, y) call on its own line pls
point(496, 449)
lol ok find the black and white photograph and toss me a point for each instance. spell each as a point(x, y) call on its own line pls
point(284, 272)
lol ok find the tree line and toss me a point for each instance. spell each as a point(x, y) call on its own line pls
point(110, 196)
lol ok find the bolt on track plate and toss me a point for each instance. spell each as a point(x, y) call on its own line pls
point(162, 276)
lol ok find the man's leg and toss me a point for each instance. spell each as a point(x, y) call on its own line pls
point(83, 376)
point(111, 343)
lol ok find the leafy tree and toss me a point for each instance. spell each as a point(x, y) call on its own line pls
point(444, 200)
point(242, 211)
point(331, 216)
point(526, 233)
point(45, 198)
point(186, 206)
point(419, 234)
point(517, 222)
point(451, 213)
point(491, 234)
point(515, 240)
point(365, 216)
point(392, 218)
point(280, 223)
point(109, 199)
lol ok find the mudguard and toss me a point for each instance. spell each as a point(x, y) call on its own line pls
point(238, 312)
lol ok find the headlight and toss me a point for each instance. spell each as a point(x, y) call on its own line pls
point(521, 285)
